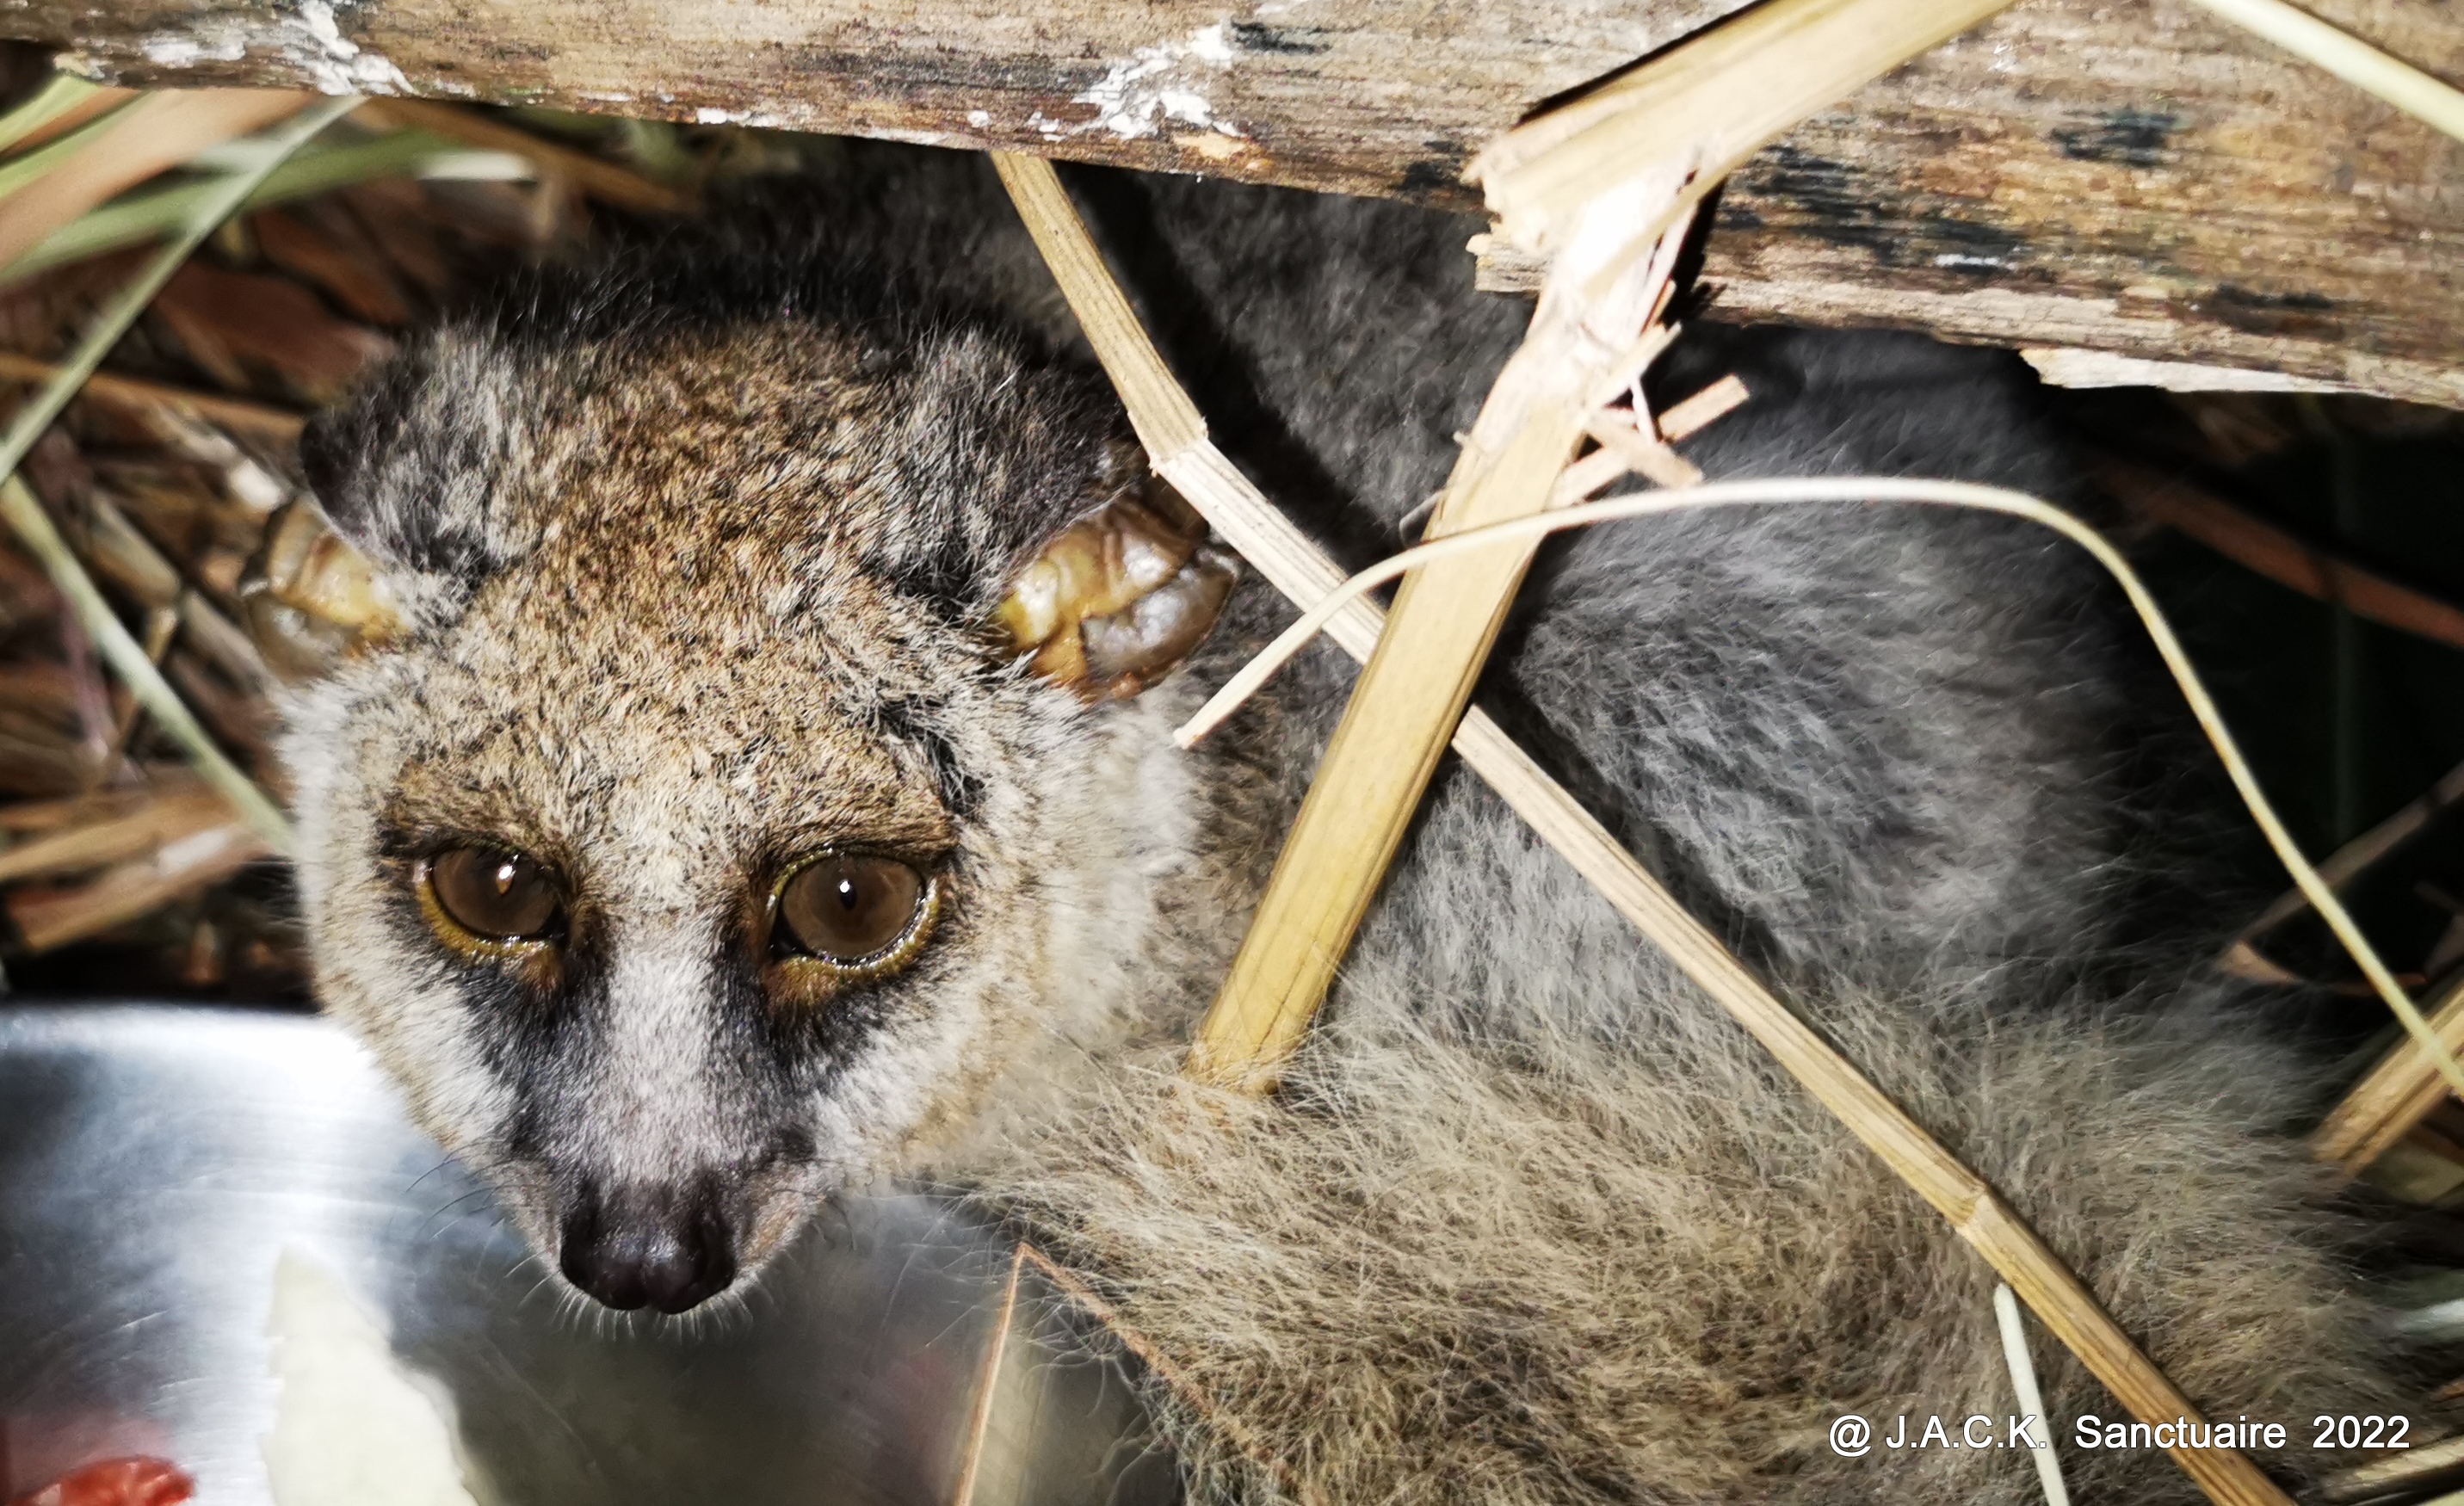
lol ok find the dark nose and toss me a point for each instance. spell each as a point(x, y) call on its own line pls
point(666, 1248)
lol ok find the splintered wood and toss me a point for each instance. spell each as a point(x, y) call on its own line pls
point(1705, 108)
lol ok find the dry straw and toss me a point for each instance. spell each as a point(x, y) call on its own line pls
point(1666, 130)
point(42, 538)
point(1251, 525)
point(1698, 108)
point(2395, 1095)
point(1418, 681)
point(1835, 489)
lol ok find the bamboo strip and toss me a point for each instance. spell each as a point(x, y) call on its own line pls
point(1382, 754)
point(1166, 420)
point(115, 549)
point(1689, 416)
point(238, 720)
point(161, 624)
point(1588, 475)
point(2068, 1310)
point(86, 689)
point(1648, 456)
point(38, 818)
point(224, 643)
point(2396, 1475)
point(1419, 679)
point(1167, 424)
point(48, 919)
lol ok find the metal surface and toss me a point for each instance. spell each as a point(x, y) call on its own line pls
point(155, 1161)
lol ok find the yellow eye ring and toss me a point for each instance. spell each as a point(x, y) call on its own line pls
point(843, 917)
point(536, 955)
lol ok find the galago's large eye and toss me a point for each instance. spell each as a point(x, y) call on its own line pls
point(855, 910)
point(494, 894)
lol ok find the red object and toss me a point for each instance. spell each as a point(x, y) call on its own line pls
point(116, 1482)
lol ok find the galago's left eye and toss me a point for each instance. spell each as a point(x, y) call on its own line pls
point(494, 893)
point(854, 910)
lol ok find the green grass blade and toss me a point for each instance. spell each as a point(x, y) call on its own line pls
point(18, 172)
point(149, 214)
point(55, 98)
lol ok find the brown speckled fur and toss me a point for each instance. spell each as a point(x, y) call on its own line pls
point(697, 550)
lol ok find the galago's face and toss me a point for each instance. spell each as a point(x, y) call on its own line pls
point(685, 853)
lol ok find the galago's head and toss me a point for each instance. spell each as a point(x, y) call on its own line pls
point(748, 748)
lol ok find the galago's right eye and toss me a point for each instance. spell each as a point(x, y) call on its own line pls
point(494, 894)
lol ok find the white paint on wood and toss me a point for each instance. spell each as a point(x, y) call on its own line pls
point(345, 66)
point(1157, 84)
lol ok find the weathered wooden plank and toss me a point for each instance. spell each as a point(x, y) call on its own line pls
point(2130, 178)
point(2138, 179)
point(1365, 95)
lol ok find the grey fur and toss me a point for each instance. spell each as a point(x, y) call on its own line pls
point(1533, 1222)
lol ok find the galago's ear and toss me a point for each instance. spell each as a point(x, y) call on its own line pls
point(312, 599)
point(421, 469)
point(1113, 601)
point(307, 566)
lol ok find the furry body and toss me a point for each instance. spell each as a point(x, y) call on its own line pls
point(694, 562)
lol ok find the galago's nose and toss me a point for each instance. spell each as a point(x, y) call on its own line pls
point(664, 1247)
